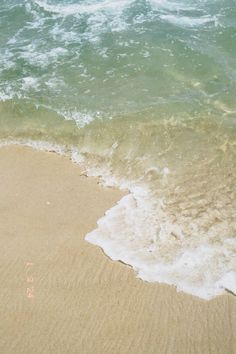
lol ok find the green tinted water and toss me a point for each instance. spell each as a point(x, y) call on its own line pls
point(145, 91)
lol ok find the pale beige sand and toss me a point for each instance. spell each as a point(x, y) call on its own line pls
point(59, 294)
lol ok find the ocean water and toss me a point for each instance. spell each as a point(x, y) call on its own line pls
point(142, 92)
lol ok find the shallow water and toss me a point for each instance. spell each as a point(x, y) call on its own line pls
point(144, 93)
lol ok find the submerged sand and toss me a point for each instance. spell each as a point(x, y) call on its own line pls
point(59, 294)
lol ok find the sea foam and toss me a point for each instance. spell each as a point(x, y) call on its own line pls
point(142, 93)
point(88, 7)
point(139, 231)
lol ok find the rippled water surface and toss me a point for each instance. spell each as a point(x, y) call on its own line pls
point(144, 93)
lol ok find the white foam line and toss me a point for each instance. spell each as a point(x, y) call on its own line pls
point(137, 232)
point(36, 145)
point(73, 9)
point(184, 21)
point(119, 233)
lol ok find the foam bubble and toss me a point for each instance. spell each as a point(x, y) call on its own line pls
point(88, 7)
point(30, 82)
point(5, 97)
point(137, 232)
point(171, 5)
point(184, 21)
point(9, 93)
point(39, 145)
point(81, 118)
point(33, 57)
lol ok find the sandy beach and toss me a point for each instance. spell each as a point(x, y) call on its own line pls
point(62, 295)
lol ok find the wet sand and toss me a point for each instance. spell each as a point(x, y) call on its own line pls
point(61, 295)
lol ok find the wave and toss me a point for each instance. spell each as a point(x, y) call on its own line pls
point(171, 5)
point(91, 7)
point(88, 7)
point(145, 106)
point(139, 233)
point(182, 241)
point(178, 224)
point(39, 145)
point(184, 21)
point(184, 236)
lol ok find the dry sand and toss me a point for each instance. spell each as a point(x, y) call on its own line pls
point(59, 294)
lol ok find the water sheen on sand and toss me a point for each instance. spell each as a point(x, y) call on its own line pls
point(143, 92)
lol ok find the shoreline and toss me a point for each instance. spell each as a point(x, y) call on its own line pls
point(64, 295)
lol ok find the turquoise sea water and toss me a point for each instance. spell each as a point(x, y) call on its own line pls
point(144, 93)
